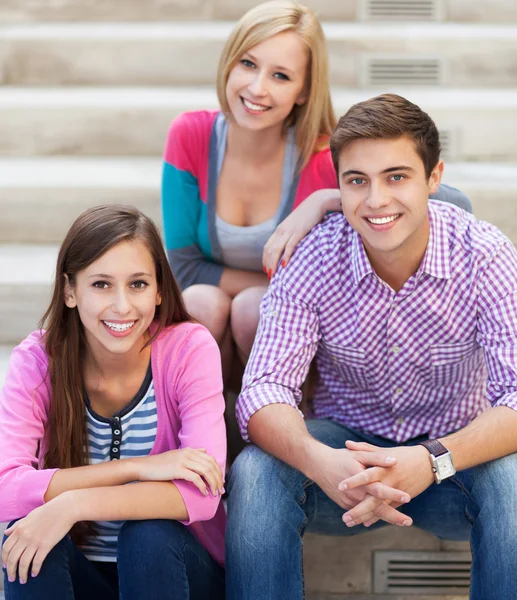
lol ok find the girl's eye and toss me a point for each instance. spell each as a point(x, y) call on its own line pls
point(101, 285)
point(139, 285)
point(281, 76)
point(246, 62)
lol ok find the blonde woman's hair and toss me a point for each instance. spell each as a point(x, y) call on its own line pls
point(315, 118)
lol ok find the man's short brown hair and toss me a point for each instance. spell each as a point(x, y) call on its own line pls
point(387, 117)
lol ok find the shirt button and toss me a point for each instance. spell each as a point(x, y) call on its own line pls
point(274, 313)
point(117, 432)
point(400, 421)
point(398, 391)
point(115, 449)
point(396, 349)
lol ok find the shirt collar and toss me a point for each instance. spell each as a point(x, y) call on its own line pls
point(361, 266)
point(436, 261)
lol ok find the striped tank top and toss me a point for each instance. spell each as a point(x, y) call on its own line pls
point(129, 433)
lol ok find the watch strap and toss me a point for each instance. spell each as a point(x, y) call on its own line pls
point(435, 447)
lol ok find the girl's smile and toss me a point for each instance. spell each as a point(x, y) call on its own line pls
point(116, 297)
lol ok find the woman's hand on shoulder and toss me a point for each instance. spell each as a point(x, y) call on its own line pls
point(296, 226)
point(194, 465)
point(30, 539)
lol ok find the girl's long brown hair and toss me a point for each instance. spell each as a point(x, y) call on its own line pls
point(96, 231)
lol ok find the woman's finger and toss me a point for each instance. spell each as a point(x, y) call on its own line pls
point(195, 479)
point(289, 249)
point(208, 473)
point(37, 561)
point(24, 563)
point(12, 560)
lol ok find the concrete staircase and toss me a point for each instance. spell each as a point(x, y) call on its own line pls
point(89, 87)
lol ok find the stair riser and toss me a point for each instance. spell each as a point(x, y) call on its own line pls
point(490, 11)
point(468, 62)
point(141, 130)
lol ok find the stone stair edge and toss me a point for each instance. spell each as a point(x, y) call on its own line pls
point(17, 96)
point(219, 30)
point(144, 171)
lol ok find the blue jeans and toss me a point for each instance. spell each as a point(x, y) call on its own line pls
point(271, 505)
point(157, 559)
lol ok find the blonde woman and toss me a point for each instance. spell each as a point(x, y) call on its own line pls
point(259, 169)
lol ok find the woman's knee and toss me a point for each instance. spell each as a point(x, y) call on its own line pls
point(210, 306)
point(245, 314)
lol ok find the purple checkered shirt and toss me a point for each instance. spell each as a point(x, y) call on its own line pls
point(427, 359)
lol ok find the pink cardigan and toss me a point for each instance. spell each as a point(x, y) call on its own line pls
point(186, 368)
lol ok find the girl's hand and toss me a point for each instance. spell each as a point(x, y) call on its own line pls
point(296, 226)
point(30, 539)
point(191, 465)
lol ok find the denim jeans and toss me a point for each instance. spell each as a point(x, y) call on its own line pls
point(271, 505)
point(157, 560)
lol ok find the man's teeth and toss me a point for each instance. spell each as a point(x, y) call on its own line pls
point(119, 327)
point(252, 106)
point(382, 220)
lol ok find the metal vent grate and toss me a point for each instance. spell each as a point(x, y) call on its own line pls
point(405, 10)
point(430, 573)
point(386, 71)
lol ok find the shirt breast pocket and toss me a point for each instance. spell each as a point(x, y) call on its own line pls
point(351, 364)
point(450, 363)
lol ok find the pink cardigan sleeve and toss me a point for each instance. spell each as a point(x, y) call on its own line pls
point(23, 416)
point(199, 392)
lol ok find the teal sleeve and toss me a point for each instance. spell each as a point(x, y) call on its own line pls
point(182, 209)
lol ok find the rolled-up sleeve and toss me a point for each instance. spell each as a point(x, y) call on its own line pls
point(287, 337)
point(199, 389)
point(497, 326)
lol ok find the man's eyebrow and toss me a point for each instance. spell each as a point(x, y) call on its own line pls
point(388, 170)
point(352, 172)
point(399, 168)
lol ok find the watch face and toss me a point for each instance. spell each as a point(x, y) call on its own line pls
point(444, 466)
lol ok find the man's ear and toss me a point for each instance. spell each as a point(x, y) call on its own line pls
point(436, 177)
point(70, 300)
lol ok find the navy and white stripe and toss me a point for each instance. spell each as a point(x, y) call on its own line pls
point(129, 433)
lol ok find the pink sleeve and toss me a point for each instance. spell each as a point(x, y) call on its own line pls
point(22, 425)
point(199, 390)
point(318, 174)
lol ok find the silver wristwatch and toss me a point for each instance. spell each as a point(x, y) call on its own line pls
point(441, 460)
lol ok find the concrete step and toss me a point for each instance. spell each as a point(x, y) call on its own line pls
point(172, 10)
point(33, 191)
point(134, 121)
point(26, 273)
point(361, 54)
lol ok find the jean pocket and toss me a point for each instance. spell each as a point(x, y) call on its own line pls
point(351, 364)
point(450, 363)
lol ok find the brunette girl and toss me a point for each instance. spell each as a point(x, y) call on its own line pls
point(121, 387)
